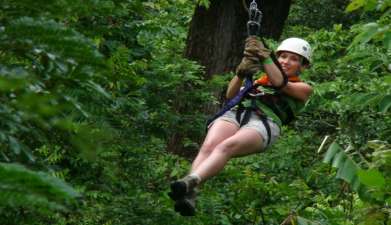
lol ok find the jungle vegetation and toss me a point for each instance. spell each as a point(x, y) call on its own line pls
point(92, 92)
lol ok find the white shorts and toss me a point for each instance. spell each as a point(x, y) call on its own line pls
point(254, 123)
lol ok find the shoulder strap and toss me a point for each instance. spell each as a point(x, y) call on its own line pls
point(234, 101)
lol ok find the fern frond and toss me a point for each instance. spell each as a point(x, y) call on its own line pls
point(20, 186)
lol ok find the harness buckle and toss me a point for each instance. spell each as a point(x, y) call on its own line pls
point(257, 94)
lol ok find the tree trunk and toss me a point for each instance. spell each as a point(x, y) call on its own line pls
point(216, 36)
point(216, 40)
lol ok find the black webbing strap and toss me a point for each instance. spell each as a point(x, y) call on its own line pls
point(267, 126)
point(247, 115)
point(239, 112)
point(263, 118)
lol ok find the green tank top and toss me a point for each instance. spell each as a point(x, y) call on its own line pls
point(278, 106)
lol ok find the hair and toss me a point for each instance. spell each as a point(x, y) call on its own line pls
point(305, 61)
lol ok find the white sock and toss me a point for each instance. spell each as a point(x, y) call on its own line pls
point(198, 178)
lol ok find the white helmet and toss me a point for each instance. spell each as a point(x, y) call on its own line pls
point(296, 45)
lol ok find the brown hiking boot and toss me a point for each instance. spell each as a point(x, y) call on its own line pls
point(182, 187)
point(186, 205)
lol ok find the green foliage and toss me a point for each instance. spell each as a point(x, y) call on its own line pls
point(98, 93)
point(205, 3)
point(368, 5)
point(92, 92)
point(319, 14)
point(347, 168)
point(21, 187)
point(355, 103)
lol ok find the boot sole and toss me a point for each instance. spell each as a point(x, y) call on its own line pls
point(184, 208)
point(178, 190)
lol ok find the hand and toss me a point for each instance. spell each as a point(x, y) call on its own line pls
point(255, 50)
point(247, 67)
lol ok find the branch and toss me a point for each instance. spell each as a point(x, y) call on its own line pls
point(289, 219)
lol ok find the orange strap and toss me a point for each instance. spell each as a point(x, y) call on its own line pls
point(264, 80)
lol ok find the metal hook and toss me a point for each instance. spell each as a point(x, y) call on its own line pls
point(255, 17)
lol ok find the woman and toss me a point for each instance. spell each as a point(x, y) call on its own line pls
point(255, 123)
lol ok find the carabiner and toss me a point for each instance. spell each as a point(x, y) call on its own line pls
point(255, 18)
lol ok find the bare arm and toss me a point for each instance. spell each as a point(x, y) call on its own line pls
point(298, 90)
point(233, 87)
point(275, 76)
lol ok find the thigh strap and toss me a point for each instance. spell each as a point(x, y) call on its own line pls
point(246, 118)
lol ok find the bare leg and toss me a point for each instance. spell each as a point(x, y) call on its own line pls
point(227, 141)
point(243, 142)
point(220, 131)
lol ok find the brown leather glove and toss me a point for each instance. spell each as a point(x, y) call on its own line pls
point(247, 67)
point(255, 49)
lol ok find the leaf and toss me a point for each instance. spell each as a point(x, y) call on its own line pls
point(387, 79)
point(99, 89)
point(387, 40)
point(356, 184)
point(339, 159)
point(20, 186)
point(14, 145)
point(377, 145)
point(369, 31)
point(370, 5)
point(304, 221)
point(347, 168)
point(385, 104)
point(361, 100)
point(332, 150)
point(388, 201)
point(354, 5)
point(348, 171)
point(371, 178)
point(28, 154)
point(205, 3)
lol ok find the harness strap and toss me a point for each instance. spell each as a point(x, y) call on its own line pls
point(267, 126)
point(239, 113)
point(247, 115)
point(234, 101)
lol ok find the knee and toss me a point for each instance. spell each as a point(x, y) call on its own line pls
point(207, 147)
point(228, 149)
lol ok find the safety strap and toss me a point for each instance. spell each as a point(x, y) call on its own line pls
point(234, 101)
point(267, 126)
point(247, 115)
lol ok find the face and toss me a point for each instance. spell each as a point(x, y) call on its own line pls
point(290, 63)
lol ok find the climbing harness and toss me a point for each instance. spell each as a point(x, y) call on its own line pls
point(253, 29)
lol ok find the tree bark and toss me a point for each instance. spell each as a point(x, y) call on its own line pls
point(216, 36)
